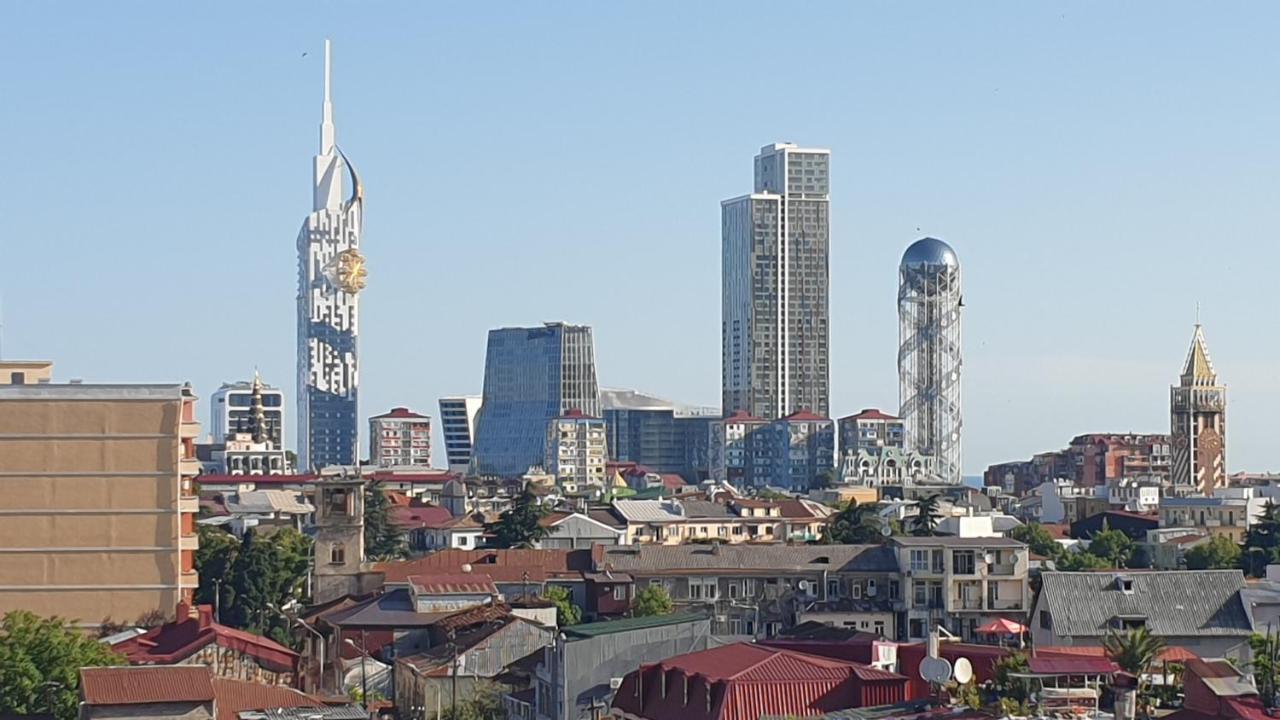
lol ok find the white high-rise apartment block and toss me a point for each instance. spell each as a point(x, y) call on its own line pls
point(458, 423)
point(776, 286)
point(400, 438)
point(576, 449)
point(331, 273)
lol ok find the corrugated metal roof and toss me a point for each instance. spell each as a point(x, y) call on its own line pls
point(656, 559)
point(1174, 602)
point(237, 696)
point(1071, 666)
point(456, 584)
point(609, 627)
point(138, 684)
point(646, 511)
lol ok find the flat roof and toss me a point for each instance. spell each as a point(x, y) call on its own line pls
point(609, 627)
point(83, 391)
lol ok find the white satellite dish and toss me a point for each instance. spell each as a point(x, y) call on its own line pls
point(963, 670)
point(935, 670)
point(886, 531)
point(803, 585)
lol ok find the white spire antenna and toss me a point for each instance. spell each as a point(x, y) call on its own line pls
point(326, 124)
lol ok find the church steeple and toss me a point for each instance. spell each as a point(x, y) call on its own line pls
point(258, 415)
point(1198, 370)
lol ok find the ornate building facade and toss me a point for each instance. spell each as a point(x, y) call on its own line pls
point(929, 353)
point(331, 273)
point(1198, 424)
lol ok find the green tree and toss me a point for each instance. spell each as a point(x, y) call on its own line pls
point(857, 524)
point(260, 575)
point(1113, 546)
point(1219, 553)
point(1002, 676)
point(1134, 651)
point(520, 526)
point(214, 559)
point(1081, 561)
point(382, 539)
point(1265, 666)
point(1039, 540)
point(1262, 542)
point(40, 661)
point(566, 612)
point(927, 515)
point(652, 600)
point(824, 479)
point(484, 703)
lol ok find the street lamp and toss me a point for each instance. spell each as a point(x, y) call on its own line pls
point(297, 622)
point(364, 676)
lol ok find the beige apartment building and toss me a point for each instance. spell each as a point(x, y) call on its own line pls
point(97, 497)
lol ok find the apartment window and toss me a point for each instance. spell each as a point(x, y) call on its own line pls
point(1046, 621)
point(855, 590)
point(620, 592)
point(963, 562)
point(722, 531)
point(772, 628)
point(939, 565)
point(18, 378)
point(833, 588)
point(749, 587)
point(735, 626)
point(919, 560)
point(920, 594)
point(879, 628)
point(894, 589)
point(733, 590)
point(702, 589)
point(917, 628)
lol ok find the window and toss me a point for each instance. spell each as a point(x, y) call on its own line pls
point(833, 588)
point(749, 587)
point(702, 589)
point(855, 590)
point(337, 554)
point(921, 594)
point(1046, 621)
point(879, 628)
point(733, 590)
point(963, 562)
point(917, 628)
point(18, 378)
point(894, 589)
point(919, 560)
point(620, 592)
point(939, 566)
point(772, 628)
point(338, 501)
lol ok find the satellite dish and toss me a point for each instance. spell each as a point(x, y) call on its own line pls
point(886, 531)
point(963, 670)
point(935, 670)
point(803, 585)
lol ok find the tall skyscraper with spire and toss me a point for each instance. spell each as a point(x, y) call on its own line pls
point(1198, 424)
point(331, 274)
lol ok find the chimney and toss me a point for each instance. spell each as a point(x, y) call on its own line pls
point(184, 611)
point(206, 616)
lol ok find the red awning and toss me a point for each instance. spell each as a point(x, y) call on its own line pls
point(1001, 626)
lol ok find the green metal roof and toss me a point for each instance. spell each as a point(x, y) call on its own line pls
point(608, 627)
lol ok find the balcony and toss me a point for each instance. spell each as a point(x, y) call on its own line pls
point(1003, 605)
point(189, 429)
point(188, 504)
point(189, 579)
point(966, 604)
point(189, 466)
point(189, 542)
point(1007, 569)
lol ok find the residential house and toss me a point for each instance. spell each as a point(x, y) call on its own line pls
point(199, 640)
point(580, 672)
point(192, 692)
point(1217, 690)
point(267, 510)
point(673, 521)
point(465, 532)
point(1228, 513)
point(515, 573)
point(760, 590)
point(1166, 548)
point(1140, 495)
point(573, 530)
point(960, 583)
point(744, 680)
point(1134, 525)
point(1203, 611)
point(478, 654)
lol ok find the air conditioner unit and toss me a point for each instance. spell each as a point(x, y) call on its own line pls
point(722, 618)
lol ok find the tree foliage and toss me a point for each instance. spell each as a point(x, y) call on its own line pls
point(857, 524)
point(1218, 553)
point(519, 526)
point(382, 539)
point(1081, 561)
point(1262, 542)
point(1133, 650)
point(253, 578)
point(1112, 546)
point(652, 600)
point(1039, 540)
point(1002, 676)
point(1265, 666)
point(566, 612)
point(40, 661)
point(927, 516)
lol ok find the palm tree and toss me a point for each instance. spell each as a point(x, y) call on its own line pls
point(1135, 652)
point(927, 515)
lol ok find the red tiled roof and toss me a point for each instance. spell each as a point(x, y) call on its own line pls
point(743, 416)
point(408, 516)
point(503, 566)
point(872, 414)
point(461, 583)
point(141, 685)
point(671, 481)
point(803, 415)
point(237, 696)
point(399, 412)
point(176, 641)
point(1041, 665)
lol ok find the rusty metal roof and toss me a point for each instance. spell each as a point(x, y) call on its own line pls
point(142, 684)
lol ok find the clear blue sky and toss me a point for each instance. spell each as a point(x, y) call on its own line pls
point(1099, 168)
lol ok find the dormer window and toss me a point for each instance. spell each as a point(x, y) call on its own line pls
point(1124, 583)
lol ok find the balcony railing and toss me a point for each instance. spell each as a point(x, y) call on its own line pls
point(966, 603)
point(1004, 605)
point(1003, 569)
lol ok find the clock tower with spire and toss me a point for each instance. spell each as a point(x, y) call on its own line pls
point(1198, 424)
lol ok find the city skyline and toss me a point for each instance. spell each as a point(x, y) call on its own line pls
point(1047, 240)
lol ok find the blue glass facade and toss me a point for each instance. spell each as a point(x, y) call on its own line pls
point(531, 375)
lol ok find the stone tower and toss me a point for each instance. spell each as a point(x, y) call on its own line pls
point(339, 543)
point(1198, 424)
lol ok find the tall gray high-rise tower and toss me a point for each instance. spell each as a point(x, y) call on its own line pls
point(929, 356)
point(775, 309)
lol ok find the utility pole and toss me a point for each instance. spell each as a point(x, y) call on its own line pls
point(453, 676)
point(364, 672)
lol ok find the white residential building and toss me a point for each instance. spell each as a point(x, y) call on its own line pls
point(458, 424)
point(400, 438)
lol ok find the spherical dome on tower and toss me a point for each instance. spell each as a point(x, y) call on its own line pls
point(929, 251)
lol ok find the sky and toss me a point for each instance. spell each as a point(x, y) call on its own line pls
point(1100, 169)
